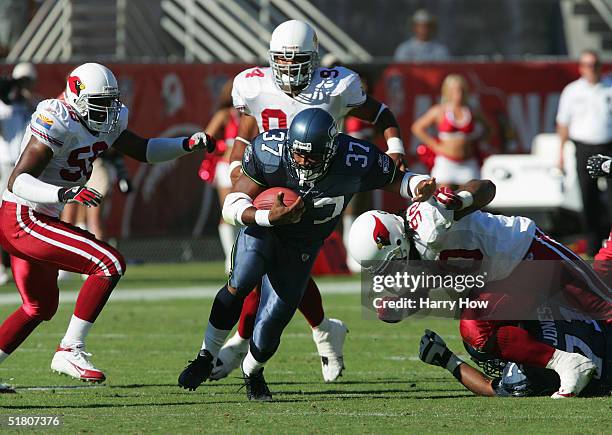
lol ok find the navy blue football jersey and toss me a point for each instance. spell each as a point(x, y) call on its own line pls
point(577, 333)
point(357, 166)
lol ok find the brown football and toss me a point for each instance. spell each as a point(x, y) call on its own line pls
point(265, 200)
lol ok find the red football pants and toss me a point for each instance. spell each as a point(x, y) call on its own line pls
point(39, 246)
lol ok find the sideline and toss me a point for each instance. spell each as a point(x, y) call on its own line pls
point(167, 293)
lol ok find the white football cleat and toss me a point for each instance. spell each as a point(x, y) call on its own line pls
point(575, 371)
point(74, 362)
point(230, 356)
point(329, 337)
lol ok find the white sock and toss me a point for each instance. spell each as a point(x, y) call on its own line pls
point(237, 338)
point(214, 339)
point(76, 333)
point(250, 365)
point(228, 236)
point(556, 359)
point(3, 355)
point(323, 326)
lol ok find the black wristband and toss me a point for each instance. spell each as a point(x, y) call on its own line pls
point(186, 145)
point(60, 194)
point(445, 357)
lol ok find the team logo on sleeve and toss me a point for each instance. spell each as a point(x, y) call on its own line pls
point(76, 85)
point(44, 121)
point(248, 152)
point(381, 234)
point(384, 163)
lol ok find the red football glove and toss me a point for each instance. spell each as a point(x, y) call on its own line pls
point(80, 194)
point(448, 198)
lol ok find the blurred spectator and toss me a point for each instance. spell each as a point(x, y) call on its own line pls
point(421, 47)
point(460, 129)
point(585, 117)
point(215, 168)
point(16, 107)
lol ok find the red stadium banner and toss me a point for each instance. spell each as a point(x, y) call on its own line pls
point(164, 100)
point(519, 99)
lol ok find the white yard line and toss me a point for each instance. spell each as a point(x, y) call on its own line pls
point(160, 294)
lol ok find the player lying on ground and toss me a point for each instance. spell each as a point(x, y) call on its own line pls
point(451, 225)
point(270, 98)
point(504, 378)
point(62, 141)
point(280, 245)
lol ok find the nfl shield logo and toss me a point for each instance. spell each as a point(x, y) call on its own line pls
point(305, 257)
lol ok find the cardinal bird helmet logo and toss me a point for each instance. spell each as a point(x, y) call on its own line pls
point(76, 85)
point(381, 234)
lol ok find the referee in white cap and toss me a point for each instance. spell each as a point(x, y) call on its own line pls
point(585, 117)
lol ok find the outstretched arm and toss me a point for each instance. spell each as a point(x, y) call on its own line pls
point(433, 350)
point(156, 150)
point(469, 197)
point(482, 192)
point(383, 119)
point(413, 186)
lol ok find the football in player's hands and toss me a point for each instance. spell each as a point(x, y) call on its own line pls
point(448, 198)
point(266, 199)
point(599, 165)
point(201, 141)
point(433, 349)
point(80, 194)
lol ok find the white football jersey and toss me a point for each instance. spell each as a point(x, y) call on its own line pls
point(74, 147)
point(498, 242)
point(335, 90)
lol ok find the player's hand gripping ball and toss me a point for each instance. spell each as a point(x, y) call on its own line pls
point(286, 206)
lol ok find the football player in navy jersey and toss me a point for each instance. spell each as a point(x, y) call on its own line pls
point(280, 245)
point(576, 333)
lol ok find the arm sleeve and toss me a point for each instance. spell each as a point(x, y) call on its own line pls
point(252, 167)
point(354, 95)
point(381, 170)
point(564, 113)
point(237, 97)
point(50, 129)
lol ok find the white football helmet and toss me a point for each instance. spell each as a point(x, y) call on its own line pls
point(294, 55)
point(92, 91)
point(378, 236)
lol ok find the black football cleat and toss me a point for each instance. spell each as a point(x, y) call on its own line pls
point(256, 387)
point(197, 371)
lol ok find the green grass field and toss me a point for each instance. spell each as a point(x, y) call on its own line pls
point(144, 345)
